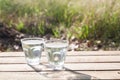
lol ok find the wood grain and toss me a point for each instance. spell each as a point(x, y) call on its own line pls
point(21, 76)
point(78, 65)
point(69, 59)
point(75, 53)
point(60, 75)
point(73, 66)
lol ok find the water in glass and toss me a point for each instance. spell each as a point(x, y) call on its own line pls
point(56, 54)
point(32, 49)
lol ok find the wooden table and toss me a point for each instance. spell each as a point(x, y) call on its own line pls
point(78, 65)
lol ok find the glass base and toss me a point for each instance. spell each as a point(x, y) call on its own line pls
point(54, 67)
point(33, 61)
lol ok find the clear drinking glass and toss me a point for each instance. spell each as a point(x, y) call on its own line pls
point(56, 51)
point(32, 48)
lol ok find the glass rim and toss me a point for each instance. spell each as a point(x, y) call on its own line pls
point(57, 40)
point(32, 38)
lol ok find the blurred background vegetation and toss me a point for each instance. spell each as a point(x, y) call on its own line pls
point(80, 19)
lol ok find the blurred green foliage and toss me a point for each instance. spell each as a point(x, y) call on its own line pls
point(83, 19)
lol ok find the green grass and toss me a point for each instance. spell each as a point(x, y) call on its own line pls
point(84, 19)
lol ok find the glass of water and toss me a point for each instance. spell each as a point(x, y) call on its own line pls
point(32, 48)
point(56, 51)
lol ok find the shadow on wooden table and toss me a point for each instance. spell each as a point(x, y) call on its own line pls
point(77, 75)
point(66, 74)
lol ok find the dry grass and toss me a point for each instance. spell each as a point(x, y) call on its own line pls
point(84, 19)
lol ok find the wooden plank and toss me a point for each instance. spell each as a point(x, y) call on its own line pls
point(76, 67)
point(70, 53)
point(94, 53)
point(60, 75)
point(21, 76)
point(93, 66)
point(80, 75)
point(40, 76)
point(93, 59)
point(15, 67)
point(9, 54)
point(109, 75)
point(12, 60)
point(69, 59)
